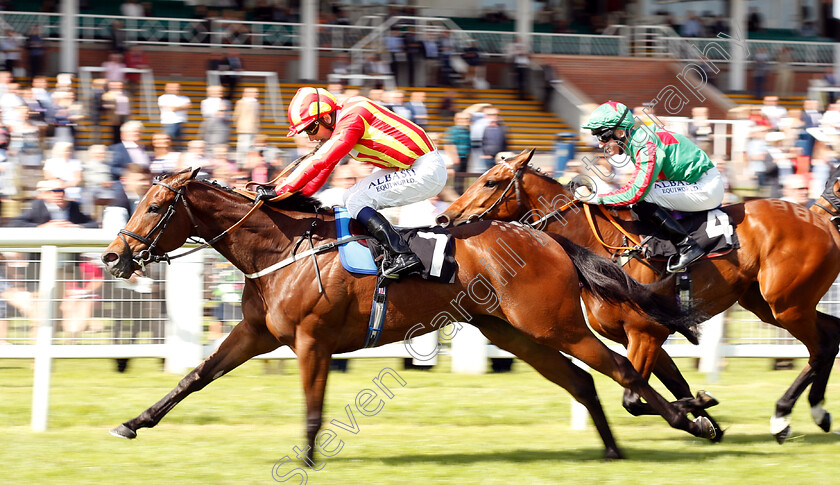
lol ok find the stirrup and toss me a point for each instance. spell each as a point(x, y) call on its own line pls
point(394, 272)
point(672, 267)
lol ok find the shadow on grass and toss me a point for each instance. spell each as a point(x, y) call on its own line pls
point(526, 456)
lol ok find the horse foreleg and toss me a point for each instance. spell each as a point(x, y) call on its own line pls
point(314, 362)
point(642, 351)
point(245, 341)
point(555, 367)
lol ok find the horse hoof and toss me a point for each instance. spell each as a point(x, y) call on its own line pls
point(613, 454)
point(718, 433)
point(783, 435)
point(707, 429)
point(706, 399)
point(825, 423)
point(123, 431)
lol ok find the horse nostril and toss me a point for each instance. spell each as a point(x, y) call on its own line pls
point(443, 220)
point(110, 257)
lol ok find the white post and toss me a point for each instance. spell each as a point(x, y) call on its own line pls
point(308, 40)
point(43, 353)
point(524, 20)
point(184, 305)
point(69, 46)
point(469, 351)
point(426, 344)
point(738, 63)
point(710, 347)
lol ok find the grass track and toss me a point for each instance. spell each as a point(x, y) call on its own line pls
point(440, 428)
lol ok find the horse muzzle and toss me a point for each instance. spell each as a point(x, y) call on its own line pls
point(119, 265)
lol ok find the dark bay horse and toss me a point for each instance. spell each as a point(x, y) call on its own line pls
point(285, 307)
point(788, 259)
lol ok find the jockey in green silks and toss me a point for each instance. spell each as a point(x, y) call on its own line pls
point(670, 172)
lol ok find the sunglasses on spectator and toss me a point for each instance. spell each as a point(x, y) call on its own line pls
point(57, 190)
point(312, 129)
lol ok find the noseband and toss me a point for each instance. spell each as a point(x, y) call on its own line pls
point(517, 176)
point(146, 255)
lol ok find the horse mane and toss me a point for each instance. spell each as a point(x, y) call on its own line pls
point(296, 202)
point(539, 173)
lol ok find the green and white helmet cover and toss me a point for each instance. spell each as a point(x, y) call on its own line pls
point(610, 115)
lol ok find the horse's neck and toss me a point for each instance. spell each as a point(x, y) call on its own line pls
point(267, 234)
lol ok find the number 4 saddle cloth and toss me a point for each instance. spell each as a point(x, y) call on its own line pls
point(713, 230)
point(433, 245)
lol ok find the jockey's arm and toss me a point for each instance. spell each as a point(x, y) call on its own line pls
point(648, 164)
point(314, 172)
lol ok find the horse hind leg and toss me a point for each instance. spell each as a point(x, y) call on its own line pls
point(830, 326)
point(246, 340)
point(555, 367)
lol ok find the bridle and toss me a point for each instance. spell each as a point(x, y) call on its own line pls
point(147, 256)
point(515, 183)
point(833, 201)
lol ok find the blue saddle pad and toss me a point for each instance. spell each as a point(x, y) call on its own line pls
point(354, 256)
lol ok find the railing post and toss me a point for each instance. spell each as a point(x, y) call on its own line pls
point(43, 352)
point(184, 305)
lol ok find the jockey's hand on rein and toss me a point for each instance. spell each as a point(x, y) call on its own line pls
point(265, 193)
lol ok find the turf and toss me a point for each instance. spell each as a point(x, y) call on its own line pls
point(440, 427)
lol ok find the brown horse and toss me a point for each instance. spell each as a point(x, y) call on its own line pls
point(285, 307)
point(787, 260)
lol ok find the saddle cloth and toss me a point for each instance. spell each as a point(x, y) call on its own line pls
point(433, 245)
point(713, 230)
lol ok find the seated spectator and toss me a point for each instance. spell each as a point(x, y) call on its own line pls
point(64, 167)
point(133, 184)
point(222, 161)
point(128, 150)
point(53, 210)
point(195, 157)
point(96, 175)
point(164, 159)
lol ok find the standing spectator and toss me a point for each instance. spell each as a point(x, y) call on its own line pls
point(784, 71)
point(699, 128)
point(128, 150)
point(66, 115)
point(64, 167)
point(114, 68)
point(430, 60)
point(96, 175)
point(761, 67)
point(413, 50)
point(417, 106)
point(25, 151)
point(518, 56)
point(246, 116)
point(116, 37)
point(548, 84)
point(692, 27)
point(163, 159)
point(117, 108)
point(53, 210)
point(135, 58)
point(36, 49)
point(96, 110)
point(395, 46)
point(9, 101)
point(132, 8)
point(232, 64)
point(772, 111)
point(215, 111)
point(472, 56)
point(11, 50)
point(811, 119)
point(132, 185)
point(457, 145)
point(494, 140)
point(754, 21)
point(478, 122)
point(446, 49)
point(173, 112)
point(41, 95)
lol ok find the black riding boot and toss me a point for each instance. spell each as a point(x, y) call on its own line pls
point(398, 256)
point(689, 251)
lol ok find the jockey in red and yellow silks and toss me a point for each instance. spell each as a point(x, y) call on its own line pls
point(411, 168)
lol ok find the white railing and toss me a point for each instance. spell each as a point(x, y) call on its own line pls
point(719, 50)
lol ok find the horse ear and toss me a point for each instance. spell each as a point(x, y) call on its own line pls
point(194, 173)
point(522, 160)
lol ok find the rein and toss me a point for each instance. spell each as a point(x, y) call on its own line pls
point(588, 211)
point(834, 201)
point(145, 256)
point(517, 175)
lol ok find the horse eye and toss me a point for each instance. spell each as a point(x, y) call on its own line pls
point(154, 208)
point(490, 183)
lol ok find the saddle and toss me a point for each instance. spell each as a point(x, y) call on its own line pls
point(433, 245)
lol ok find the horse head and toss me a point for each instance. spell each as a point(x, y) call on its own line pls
point(509, 191)
point(494, 195)
point(155, 228)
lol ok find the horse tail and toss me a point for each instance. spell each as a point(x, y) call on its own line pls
point(609, 283)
